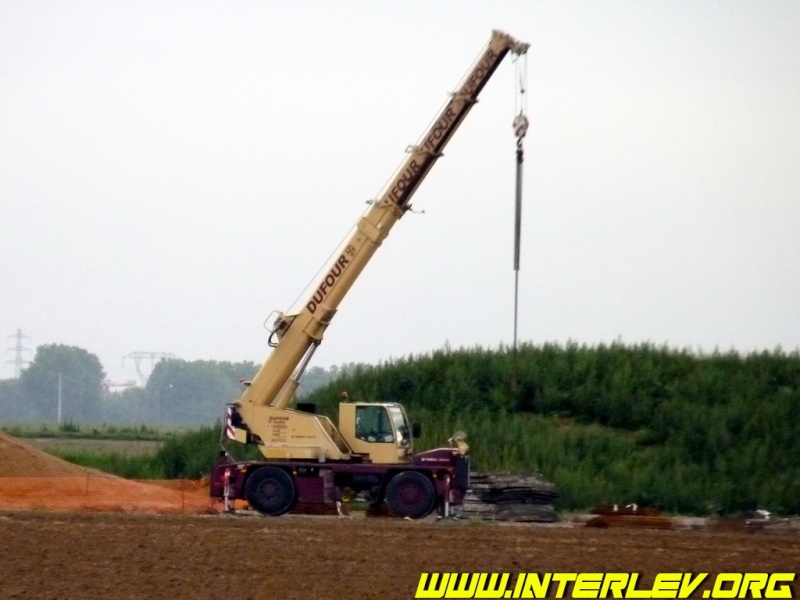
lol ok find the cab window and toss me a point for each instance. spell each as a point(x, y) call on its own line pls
point(373, 424)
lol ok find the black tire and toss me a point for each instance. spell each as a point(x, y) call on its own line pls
point(270, 491)
point(411, 494)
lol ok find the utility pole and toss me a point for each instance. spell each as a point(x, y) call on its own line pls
point(19, 361)
point(59, 398)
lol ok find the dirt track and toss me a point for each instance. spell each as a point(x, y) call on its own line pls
point(82, 555)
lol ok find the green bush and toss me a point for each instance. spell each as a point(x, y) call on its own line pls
point(130, 467)
point(610, 424)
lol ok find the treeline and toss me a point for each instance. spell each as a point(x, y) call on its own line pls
point(180, 393)
point(704, 434)
point(67, 381)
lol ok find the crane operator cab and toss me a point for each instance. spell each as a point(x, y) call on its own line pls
point(380, 431)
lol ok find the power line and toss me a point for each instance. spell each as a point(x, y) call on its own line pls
point(140, 357)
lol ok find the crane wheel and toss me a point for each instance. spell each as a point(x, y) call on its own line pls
point(411, 494)
point(270, 491)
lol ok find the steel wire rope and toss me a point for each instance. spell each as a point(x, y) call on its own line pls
point(520, 84)
point(433, 120)
point(391, 178)
point(324, 264)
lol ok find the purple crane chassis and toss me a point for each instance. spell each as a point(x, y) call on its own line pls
point(433, 479)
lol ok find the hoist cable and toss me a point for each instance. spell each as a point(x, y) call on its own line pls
point(520, 126)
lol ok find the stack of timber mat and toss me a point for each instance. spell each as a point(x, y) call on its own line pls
point(510, 497)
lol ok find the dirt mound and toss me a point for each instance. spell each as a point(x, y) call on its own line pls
point(18, 459)
point(31, 478)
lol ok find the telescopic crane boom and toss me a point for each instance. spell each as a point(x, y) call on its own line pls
point(299, 334)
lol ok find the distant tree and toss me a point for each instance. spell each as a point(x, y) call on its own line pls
point(315, 377)
point(12, 404)
point(180, 393)
point(238, 371)
point(81, 383)
point(127, 406)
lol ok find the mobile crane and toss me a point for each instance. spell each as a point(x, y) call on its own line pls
point(307, 459)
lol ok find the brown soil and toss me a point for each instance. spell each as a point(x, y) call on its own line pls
point(82, 555)
point(127, 553)
point(31, 478)
point(20, 459)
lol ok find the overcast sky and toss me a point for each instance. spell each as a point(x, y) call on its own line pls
point(171, 172)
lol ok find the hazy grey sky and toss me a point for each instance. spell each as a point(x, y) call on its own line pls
point(171, 172)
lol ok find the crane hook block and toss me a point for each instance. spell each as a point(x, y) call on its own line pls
point(520, 125)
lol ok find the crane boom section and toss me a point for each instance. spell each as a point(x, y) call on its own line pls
point(299, 334)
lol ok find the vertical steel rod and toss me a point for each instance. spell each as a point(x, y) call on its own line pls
point(517, 233)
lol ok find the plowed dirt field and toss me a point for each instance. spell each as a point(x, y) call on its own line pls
point(121, 555)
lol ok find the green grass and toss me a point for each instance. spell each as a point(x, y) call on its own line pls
point(184, 455)
point(130, 467)
point(83, 431)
